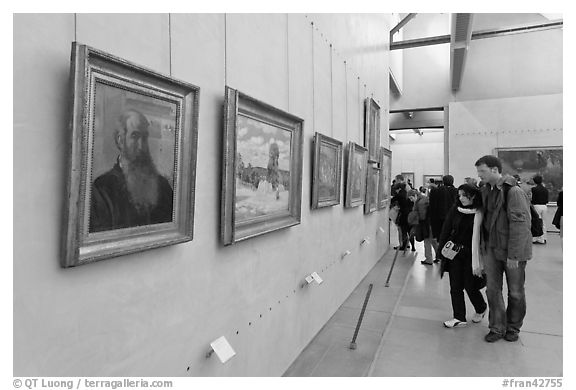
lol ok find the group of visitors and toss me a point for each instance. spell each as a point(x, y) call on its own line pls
point(480, 233)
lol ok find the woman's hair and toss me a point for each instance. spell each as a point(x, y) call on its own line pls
point(471, 192)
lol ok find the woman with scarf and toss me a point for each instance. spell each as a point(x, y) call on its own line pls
point(462, 227)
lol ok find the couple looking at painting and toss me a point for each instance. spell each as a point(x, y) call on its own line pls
point(492, 225)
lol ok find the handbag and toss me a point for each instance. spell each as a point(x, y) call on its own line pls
point(450, 250)
point(413, 218)
point(420, 232)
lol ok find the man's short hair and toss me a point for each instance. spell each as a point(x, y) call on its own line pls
point(490, 161)
point(537, 179)
point(400, 177)
point(448, 180)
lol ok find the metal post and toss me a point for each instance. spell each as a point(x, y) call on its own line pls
point(393, 262)
point(353, 343)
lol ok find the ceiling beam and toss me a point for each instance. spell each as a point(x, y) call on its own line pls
point(402, 23)
point(416, 109)
point(441, 39)
point(416, 127)
point(459, 43)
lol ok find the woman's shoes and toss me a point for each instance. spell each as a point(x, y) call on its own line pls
point(426, 262)
point(402, 248)
point(454, 323)
point(478, 316)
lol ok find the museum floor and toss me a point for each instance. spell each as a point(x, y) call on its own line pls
point(402, 333)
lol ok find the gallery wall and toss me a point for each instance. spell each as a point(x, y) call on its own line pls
point(483, 125)
point(419, 154)
point(154, 313)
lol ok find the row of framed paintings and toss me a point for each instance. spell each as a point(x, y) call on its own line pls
point(132, 162)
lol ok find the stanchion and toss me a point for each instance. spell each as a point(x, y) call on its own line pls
point(353, 343)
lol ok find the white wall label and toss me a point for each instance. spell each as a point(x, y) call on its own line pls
point(223, 349)
point(317, 277)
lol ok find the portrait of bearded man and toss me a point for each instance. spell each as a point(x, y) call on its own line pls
point(132, 193)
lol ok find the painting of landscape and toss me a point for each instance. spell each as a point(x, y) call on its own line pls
point(262, 169)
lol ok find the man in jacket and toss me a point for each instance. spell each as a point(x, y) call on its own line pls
point(441, 200)
point(506, 246)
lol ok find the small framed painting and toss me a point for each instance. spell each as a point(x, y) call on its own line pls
point(384, 183)
point(327, 171)
point(372, 129)
point(356, 175)
point(372, 180)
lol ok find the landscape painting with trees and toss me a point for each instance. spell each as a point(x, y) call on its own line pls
point(262, 169)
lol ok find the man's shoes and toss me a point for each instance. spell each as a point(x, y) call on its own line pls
point(413, 249)
point(478, 316)
point(426, 262)
point(492, 337)
point(511, 336)
point(400, 247)
point(454, 323)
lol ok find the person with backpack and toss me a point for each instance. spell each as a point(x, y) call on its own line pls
point(421, 223)
point(404, 205)
point(505, 247)
point(442, 199)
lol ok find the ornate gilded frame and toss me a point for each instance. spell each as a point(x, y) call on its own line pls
point(240, 112)
point(372, 187)
point(335, 167)
point(356, 166)
point(92, 72)
point(372, 129)
point(384, 191)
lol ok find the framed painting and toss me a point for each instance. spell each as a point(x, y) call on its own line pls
point(327, 171)
point(132, 159)
point(357, 164)
point(372, 129)
point(409, 178)
point(262, 169)
point(372, 180)
point(547, 162)
point(385, 180)
point(426, 179)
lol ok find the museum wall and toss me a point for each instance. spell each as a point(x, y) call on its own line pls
point(483, 125)
point(154, 313)
point(419, 154)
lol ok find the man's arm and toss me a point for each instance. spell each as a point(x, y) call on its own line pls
point(518, 211)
